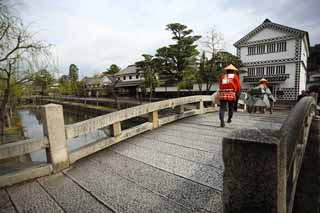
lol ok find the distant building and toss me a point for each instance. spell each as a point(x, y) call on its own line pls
point(313, 80)
point(277, 53)
point(92, 86)
point(128, 80)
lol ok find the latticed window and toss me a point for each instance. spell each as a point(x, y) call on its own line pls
point(251, 71)
point(260, 71)
point(281, 69)
point(252, 50)
point(271, 48)
point(261, 49)
point(282, 46)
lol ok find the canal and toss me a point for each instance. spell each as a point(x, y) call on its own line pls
point(32, 128)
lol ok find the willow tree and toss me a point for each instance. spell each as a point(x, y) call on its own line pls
point(17, 49)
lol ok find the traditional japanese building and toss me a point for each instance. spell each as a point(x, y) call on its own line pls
point(277, 53)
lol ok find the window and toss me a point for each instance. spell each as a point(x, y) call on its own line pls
point(137, 76)
point(124, 78)
point(251, 71)
point(260, 71)
point(280, 69)
point(282, 46)
point(252, 50)
point(118, 78)
point(261, 49)
point(270, 70)
point(130, 77)
point(271, 48)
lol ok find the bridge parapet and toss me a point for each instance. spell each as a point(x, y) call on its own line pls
point(263, 167)
point(56, 134)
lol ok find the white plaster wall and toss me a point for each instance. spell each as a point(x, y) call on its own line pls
point(303, 78)
point(291, 70)
point(290, 53)
point(266, 34)
point(128, 79)
point(304, 54)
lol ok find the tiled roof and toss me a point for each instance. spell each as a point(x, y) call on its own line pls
point(268, 24)
point(131, 69)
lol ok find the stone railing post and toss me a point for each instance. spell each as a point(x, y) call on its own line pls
point(116, 129)
point(154, 118)
point(308, 191)
point(200, 106)
point(254, 178)
point(180, 109)
point(53, 128)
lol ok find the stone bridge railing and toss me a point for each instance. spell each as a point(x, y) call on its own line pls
point(275, 171)
point(56, 134)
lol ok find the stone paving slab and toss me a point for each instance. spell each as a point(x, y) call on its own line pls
point(214, 141)
point(31, 197)
point(198, 143)
point(203, 174)
point(200, 130)
point(202, 157)
point(120, 194)
point(236, 124)
point(9, 209)
point(5, 202)
point(70, 196)
point(194, 196)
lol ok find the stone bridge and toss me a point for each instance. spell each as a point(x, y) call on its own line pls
point(190, 165)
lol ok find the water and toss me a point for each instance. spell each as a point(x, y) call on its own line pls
point(32, 125)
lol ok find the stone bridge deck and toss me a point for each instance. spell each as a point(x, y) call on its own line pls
point(176, 168)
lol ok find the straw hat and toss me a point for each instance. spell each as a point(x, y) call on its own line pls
point(263, 80)
point(231, 67)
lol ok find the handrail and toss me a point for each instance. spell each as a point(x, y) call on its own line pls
point(280, 153)
point(92, 124)
point(22, 147)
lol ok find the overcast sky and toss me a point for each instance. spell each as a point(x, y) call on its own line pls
point(96, 33)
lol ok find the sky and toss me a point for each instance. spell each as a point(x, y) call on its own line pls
point(93, 34)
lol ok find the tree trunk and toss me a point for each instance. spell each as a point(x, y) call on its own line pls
point(8, 120)
point(150, 96)
point(3, 107)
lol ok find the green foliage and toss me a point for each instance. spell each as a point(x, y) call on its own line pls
point(43, 80)
point(226, 58)
point(65, 85)
point(73, 72)
point(175, 58)
point(113, 69)
point(147, 69)
point(189, 77)
point(314, 58)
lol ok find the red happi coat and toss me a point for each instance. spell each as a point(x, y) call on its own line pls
point(229, 85)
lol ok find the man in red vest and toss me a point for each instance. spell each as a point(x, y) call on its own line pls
point(229, 86)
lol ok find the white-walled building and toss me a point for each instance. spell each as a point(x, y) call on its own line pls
point(277, 53)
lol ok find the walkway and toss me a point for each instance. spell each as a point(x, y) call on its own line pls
point(176, 168)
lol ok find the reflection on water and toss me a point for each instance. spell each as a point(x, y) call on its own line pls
point(32, 125)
